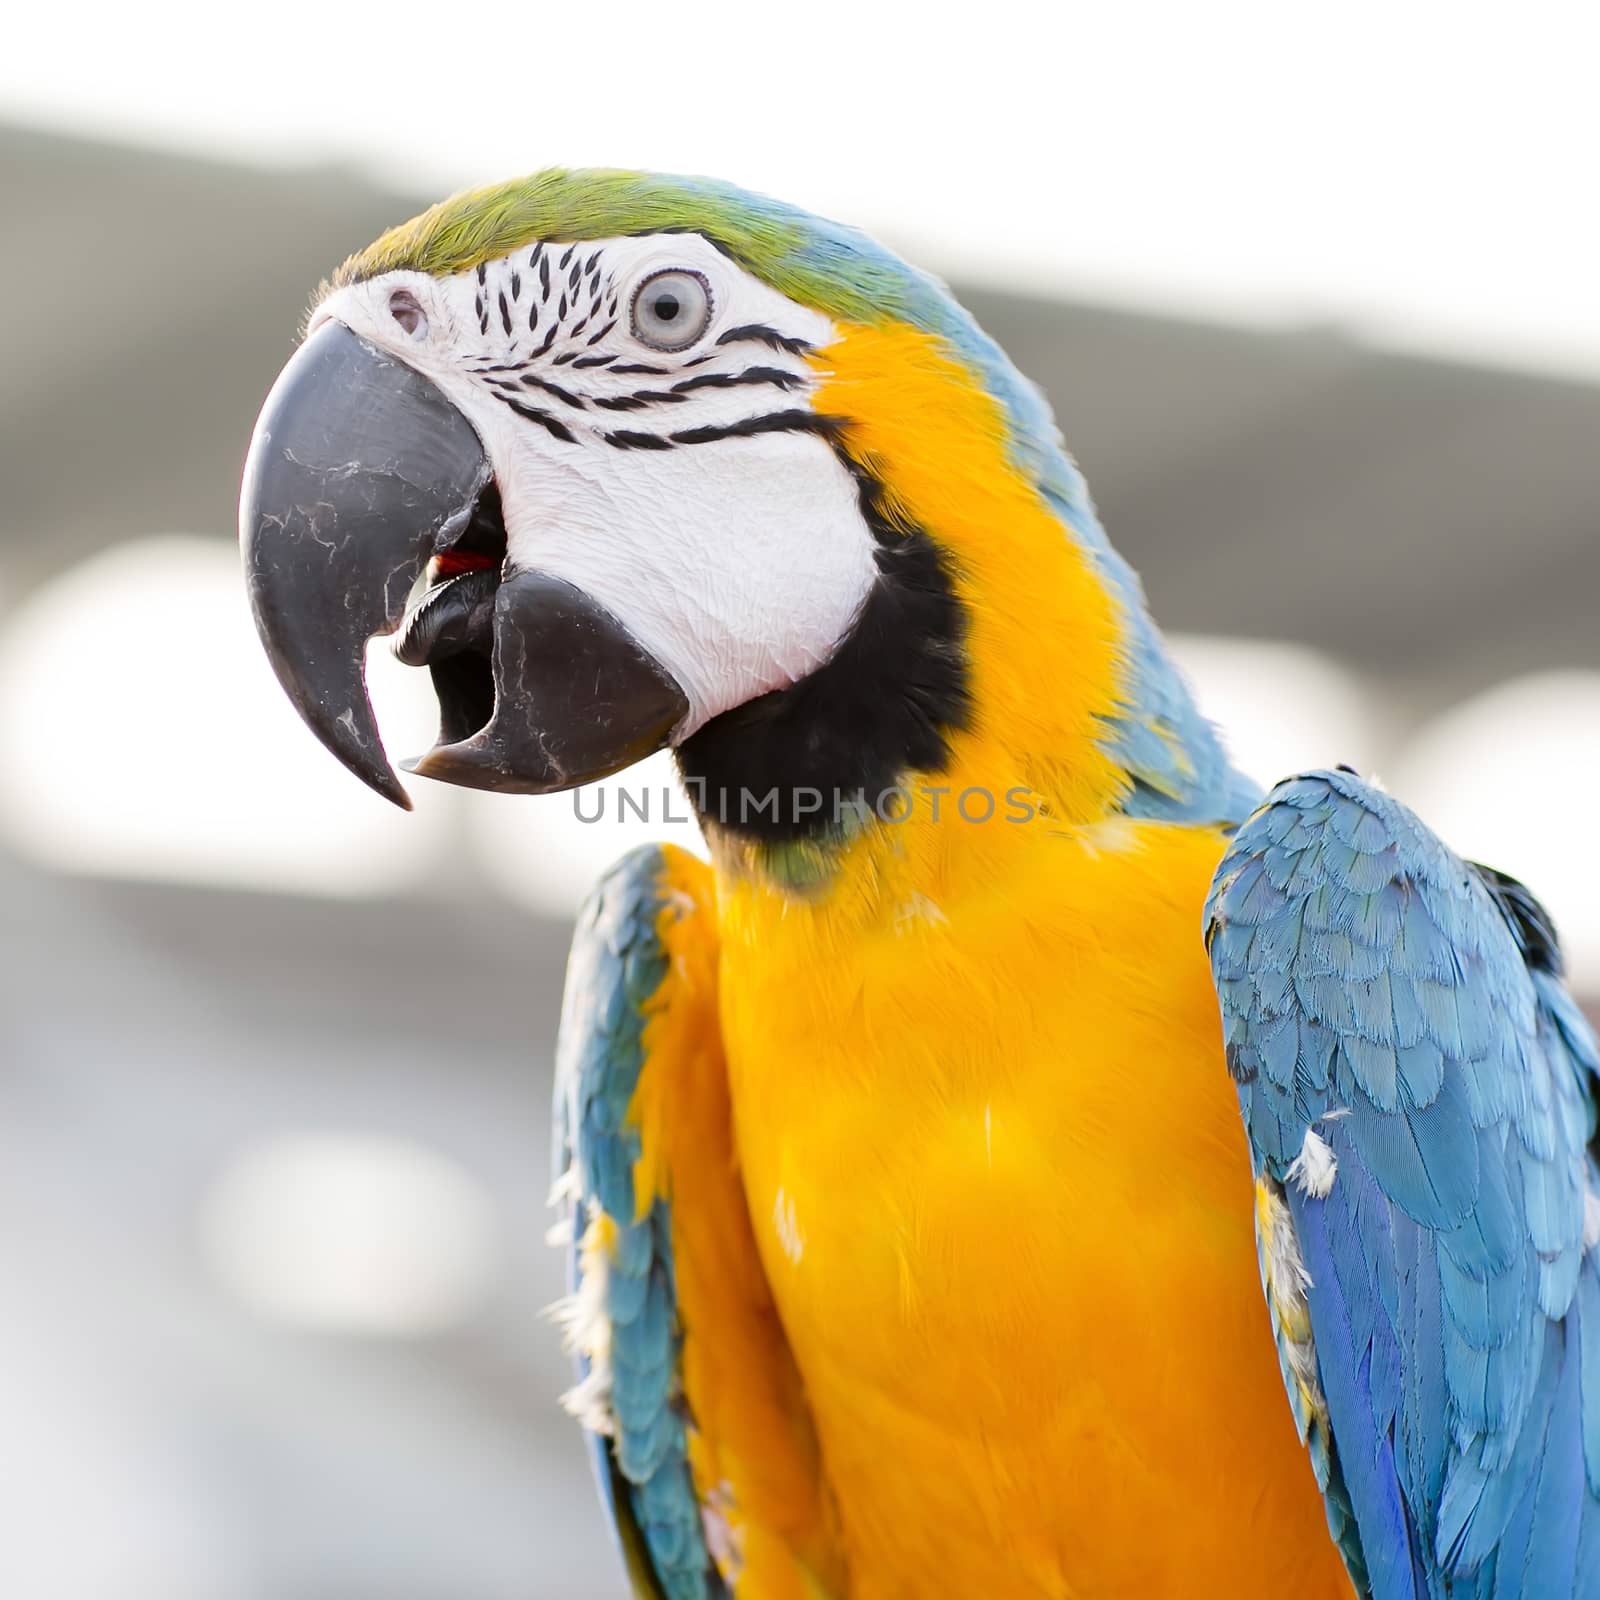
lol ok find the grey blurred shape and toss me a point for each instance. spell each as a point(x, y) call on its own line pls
point(148, 1035)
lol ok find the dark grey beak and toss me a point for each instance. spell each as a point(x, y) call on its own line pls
point(359, 473)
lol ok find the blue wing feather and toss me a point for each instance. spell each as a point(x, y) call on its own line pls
point(1406, 1008)
point(635, 1421)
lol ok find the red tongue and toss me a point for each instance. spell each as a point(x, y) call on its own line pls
point(454, 562)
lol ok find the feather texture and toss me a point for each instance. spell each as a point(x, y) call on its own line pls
point(1404, 1009)
point(621, 1320)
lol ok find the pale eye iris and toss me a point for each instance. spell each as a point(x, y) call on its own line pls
point(671, 309)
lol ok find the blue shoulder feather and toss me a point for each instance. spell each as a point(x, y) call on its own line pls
point(1403, 1010)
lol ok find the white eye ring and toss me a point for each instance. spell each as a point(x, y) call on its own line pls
point(671, 309)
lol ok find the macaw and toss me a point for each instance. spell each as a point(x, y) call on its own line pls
point(918, 1242)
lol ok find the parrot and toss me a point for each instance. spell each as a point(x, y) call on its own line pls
point(1023, 1157)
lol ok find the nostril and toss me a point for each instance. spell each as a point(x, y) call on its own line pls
point(404, 309)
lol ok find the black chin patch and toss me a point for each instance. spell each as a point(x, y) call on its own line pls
point(881, 708)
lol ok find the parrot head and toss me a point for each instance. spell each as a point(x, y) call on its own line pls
point(630, 462)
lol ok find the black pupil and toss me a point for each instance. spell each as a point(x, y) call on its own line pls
point(667, 307)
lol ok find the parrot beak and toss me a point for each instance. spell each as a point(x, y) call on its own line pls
point(360, 474)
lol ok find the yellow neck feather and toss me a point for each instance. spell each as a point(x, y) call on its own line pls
point(1044, 634)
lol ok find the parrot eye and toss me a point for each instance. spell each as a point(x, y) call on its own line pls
point(404, 309)
point(671, 309)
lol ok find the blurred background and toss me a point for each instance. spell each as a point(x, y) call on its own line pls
point(1318, 315)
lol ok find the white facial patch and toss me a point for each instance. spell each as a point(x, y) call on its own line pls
point(691, 492)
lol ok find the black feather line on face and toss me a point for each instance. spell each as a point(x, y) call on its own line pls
point(552, 425)
point(639, 400)
point(770, 422)
point(778, 377)
point(565, 396)
point(757, 333)
point(745, 428)
point(624, 440)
